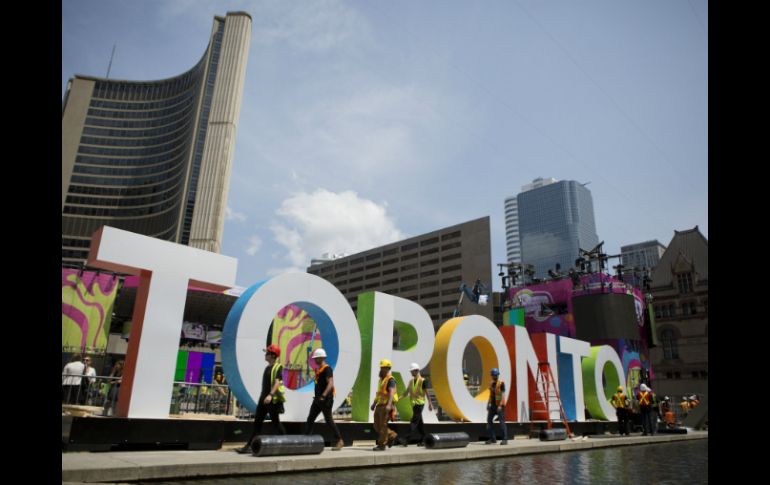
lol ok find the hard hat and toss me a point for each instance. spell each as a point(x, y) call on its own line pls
point(273, 349)
point(495, 372)
point(386, 363)
point(414, 366)
point(318, 353)
point(620, 388)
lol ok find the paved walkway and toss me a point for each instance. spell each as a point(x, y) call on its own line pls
point(125, 466)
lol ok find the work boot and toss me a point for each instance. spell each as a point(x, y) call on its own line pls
point(391, 441)
point(245, 449)
point(421, 443)
point(490, 442)
point(338, 446)
point(504, 442)
point(379, 448)
point(403, 442)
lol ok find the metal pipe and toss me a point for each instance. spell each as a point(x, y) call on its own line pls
point(554, 434)
point(447, 440)
point(287, 444)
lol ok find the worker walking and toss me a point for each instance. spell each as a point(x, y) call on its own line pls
point(496, 407)
point(645, 398)
point(416, 393)
point(384, 402)
point(271, 398)
point(620, 402)
point(324, 398)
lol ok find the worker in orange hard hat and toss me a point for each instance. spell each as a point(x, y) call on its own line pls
point(272, 397)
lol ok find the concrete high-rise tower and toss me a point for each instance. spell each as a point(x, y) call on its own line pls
point(154, 157)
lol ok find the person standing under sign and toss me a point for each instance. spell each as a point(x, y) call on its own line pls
point(620, 402)
point(116, 376)
point(72, 375)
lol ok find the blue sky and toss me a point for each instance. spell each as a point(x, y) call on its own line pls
point(367, 122)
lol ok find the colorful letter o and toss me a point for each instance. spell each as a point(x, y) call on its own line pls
point(447, 371)
point(246, 328)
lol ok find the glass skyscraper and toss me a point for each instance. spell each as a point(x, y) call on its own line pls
point(555, 220)
point(154, 157)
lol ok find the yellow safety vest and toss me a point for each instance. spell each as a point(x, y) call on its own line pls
point(498, 392)
point(417, 397)
point(279, 395)
point(382, 391)
point(619, 400)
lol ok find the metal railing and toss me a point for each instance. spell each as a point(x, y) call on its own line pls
point(204, 398)
point(95, 391)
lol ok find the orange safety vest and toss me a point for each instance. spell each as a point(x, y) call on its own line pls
point(619, 400)
point(382, 391)
point(644, 398)
point(498, 392)
point(318, 374)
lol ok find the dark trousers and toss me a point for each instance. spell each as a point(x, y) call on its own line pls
point(324, 407)
point(112, 399)
point(648, 421)
point(493, 411)
point(262, 411)
point(70, 394)
point(622, 415)
point(416, 423)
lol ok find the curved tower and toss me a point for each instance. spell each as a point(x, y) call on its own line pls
point(154, 157)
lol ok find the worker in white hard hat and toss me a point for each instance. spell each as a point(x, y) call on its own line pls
point(324, 398)
point(417, 393)
point(646, 404)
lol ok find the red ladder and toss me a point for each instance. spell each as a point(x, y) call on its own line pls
point(548, 393)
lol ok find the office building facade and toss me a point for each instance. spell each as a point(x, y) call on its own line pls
point(154, 157)
point(555, 221)
point(642, 255)
point(427, 269)
point(512, 239)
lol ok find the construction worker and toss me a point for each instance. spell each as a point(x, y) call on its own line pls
point(620, 402)
point(271, 399)
point(384, 403)
point(645, 398)
point(496, 407)
point(667, 413)
point(324, 398)
point(416, 392)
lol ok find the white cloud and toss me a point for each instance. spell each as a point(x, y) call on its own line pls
point(328, 222)
point(254, 244)
point(231, 215)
